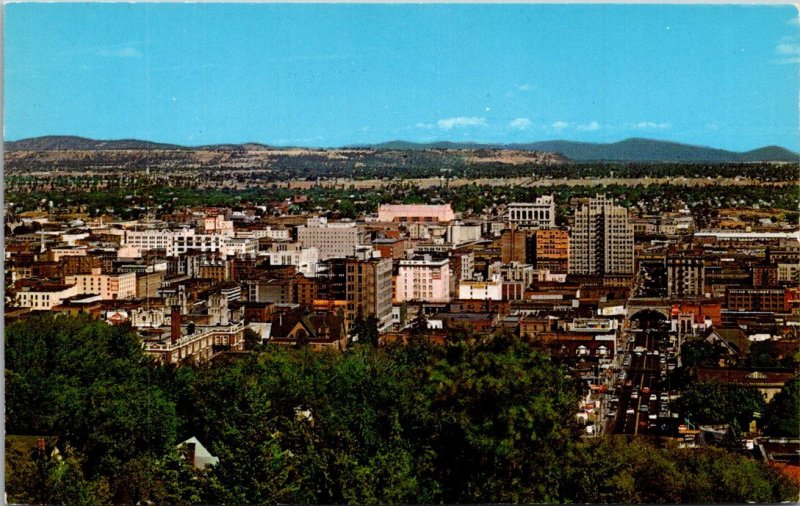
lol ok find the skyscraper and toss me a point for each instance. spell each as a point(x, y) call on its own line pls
point(602, 239)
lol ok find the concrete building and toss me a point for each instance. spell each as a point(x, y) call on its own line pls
point(685, 276)
point(108, 286)
point(338, 239)
point(176, 242)
point(423, 280)
point(368, 290)
point(541, 213)
point(412, 213)
point(460, 233)
point(481, 290)
point(602, 239)
point(44, 296)
point(293, 253)
point(789, 273)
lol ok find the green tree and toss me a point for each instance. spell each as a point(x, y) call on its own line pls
point(783, 413)
point(716, 402)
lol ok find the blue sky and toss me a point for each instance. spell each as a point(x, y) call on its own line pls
point(331, 75)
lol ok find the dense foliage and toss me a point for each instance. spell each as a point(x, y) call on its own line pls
point(481, 419)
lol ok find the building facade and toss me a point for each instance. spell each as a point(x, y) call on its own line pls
point(541, 213)
point(423, 280)
point(415, 213)
point(368, 290)
point(330, 239)
point(685, 276)
point(551, 250)
point(602, 239)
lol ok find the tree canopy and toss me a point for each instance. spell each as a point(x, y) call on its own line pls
point(480, 419)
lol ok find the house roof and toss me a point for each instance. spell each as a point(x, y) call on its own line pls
point(751, 377)
point(202, 457)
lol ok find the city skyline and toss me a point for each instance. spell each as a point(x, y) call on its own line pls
point(334, 75)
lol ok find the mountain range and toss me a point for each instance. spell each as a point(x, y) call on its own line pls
point(628, 150)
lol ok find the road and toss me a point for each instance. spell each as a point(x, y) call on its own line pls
point(643, 405)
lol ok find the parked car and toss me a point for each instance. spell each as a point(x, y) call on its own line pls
point(653, 397)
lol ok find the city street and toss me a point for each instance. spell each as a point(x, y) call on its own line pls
point(643, 406)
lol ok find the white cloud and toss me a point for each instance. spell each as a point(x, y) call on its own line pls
point(789, 49)
point(424, 126)
point(120, 52)
point(524, 87)
point(461, 121)
point(559, 125)
point(588, 127)
point(520, 123)
point(651, 125)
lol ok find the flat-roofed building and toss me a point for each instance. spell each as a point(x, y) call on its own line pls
point(416, 213)
point(332, 240)
point(44, 296)
point(602, 239)
point(423, 279)
point(540, 213)
point(109, 286)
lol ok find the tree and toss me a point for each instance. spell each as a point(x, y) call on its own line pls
point(783, 413)
point(89, 384)
point(713, 402)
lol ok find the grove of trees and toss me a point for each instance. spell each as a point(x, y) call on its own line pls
point(479, 419)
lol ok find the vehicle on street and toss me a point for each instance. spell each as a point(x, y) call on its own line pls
point(653, 397)
point(630, 411)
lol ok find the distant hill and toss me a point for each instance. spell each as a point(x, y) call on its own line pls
point(629, 150)
point(770, 153)
point(69, 142)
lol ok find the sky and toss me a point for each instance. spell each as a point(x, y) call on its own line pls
point(333, 75)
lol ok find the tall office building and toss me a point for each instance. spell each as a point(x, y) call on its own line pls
point(602, 239)
point(368, 290)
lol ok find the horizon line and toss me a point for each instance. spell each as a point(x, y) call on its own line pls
point(372, 144)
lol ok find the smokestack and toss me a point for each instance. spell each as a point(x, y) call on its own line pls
point(175, 322)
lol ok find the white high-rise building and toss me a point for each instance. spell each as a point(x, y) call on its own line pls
point(602, 239)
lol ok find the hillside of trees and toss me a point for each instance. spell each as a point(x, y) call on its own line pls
point(480, 419)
